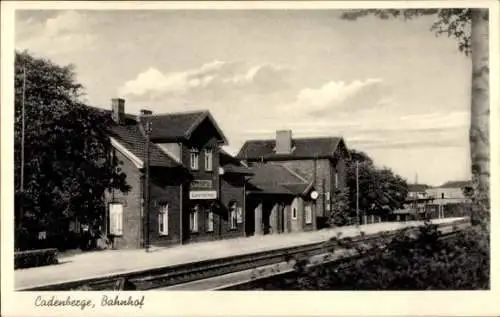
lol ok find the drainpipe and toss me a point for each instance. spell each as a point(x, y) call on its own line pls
point(181, 214)
point(142, 224)
point(244, 213)
point(147, 184)
point(220, 199)
point(315, 216)
point(181, 201)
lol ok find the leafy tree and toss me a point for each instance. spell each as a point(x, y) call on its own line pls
point(380, 190)
point(470, 28)
point(340, 209)
point(67, 166)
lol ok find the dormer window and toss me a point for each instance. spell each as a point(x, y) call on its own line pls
point(194, 158)
point(208, 160)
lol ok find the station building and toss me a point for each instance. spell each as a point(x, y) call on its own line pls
point(320, 161)
point(197, 191)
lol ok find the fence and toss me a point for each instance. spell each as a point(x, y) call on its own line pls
point(432, 211)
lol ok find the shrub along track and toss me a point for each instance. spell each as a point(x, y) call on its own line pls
point(178, 274)
point(341, 256)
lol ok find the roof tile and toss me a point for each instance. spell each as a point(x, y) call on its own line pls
point(302, 148)
point(276, 179)
point(134, 140)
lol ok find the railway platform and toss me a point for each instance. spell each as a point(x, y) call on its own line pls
point(102, 263)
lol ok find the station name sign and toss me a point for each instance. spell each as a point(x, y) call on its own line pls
point(202, 184)
point(202, 194)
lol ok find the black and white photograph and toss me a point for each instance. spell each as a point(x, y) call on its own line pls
point(247, 147)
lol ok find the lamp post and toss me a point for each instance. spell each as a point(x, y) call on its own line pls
point(221, 173)
point(21, 181)
point(357, 193)
point(147, 130)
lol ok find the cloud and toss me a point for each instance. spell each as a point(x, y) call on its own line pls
point(341, 96)
point(216, 78)
point(67, 31)
point(377, 130)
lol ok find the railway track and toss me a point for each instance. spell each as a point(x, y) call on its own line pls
point(289, 272)
point(184, 273)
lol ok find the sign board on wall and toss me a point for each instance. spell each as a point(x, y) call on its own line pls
point(203, 194)
point(202, 184)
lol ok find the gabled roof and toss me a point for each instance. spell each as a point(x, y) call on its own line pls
point(179, 126)
point(232, 165)
point(276, 179)
point(456, 184)
point(301, 148)
point(133, 139)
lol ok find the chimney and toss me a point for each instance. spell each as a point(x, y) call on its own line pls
point(118, 110)
point(145, 112)
point(283, 142)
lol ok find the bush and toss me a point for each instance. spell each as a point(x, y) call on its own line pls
point(34, 258)
point(409, 261)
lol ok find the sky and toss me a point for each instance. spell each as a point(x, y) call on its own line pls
point(390, 88)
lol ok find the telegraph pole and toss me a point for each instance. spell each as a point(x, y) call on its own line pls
point(357, 192)
point(147, 185)
point(415, 193)
point(21, 183)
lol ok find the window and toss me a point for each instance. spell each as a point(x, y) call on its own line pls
point(193, 157)
point(193, 218)
point(163, 220)
point(74, 226)
point(308, 214)
point(294, 213)
point(42, 235)
point(208, 160)
point(210, 220)
point(336, 180)
point(239, 215)
point(116, 219)
point(233, 218)
point(442, 195)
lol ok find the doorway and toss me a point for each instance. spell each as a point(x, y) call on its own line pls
point(249, 222)
point(281, 219)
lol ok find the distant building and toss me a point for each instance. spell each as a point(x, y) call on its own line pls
point(417, 197)
point(321, 161)
point(449, 193)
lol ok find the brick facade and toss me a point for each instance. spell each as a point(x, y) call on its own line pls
point(132, 206)
point(321, 161)
point(323, 172)
point(171, 186)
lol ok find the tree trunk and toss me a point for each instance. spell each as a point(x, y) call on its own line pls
point(480, 112)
